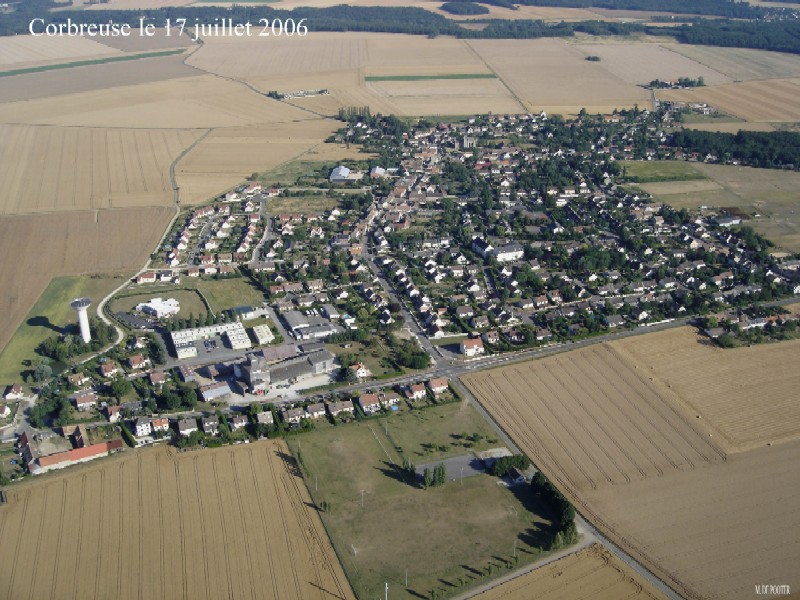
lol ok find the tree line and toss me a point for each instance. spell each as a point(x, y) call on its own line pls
point(765, 149)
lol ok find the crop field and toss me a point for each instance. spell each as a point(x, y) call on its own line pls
point(742, 64)
point(768, 195)
point(25, 50)
point(196, 102)
point(90, 62)
point(642, 171)
point(229, 155)
point(50, 313)
point(75, 243)
point(159, 41)
point(595, 416)
point(773, 100)
point(706, 521)
point(48, 84)
point(695, 372)
point(402, 528)
point(232, 523)
point(553, 76)
point(591, 573)
point(86, 167)
point(642, 63)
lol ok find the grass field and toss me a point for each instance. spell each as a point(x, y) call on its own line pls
point(309, 204)
point(229, 523)
point(590, 573)
point(224, 294)
point(190, 301)
point(430, 77)
point(660, 170)
point(50, 313)
point(443, 538)
point(637, 434)
point(373, 357)
point(90, 62)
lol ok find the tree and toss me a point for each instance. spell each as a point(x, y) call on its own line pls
point(120, 387)
point(427, 478)
point(439, 474)
point(43, 370)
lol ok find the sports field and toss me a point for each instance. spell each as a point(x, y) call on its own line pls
point(442, 539)
point(678, 451)
point(229, 523)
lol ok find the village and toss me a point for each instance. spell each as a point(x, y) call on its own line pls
point(454, 245)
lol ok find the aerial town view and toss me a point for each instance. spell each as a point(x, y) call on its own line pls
point(409, 299)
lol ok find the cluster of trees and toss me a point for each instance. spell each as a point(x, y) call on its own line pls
point(504, 464)
point(686, 82)
point(464, 8)
point(52, 407)
point(721, 8)
point(435, 478)
point(409, 354)
point(765, 149)
point(62, 348)
point(566, 532)
point(779, 36)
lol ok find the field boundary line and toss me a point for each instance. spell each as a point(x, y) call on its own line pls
point(500, 78)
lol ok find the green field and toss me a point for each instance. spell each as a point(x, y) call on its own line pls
point(308, 204)
point(86, 63)
point(441, 538)
point(224, 294)
point(190, 301)
point(48, 315)
point(430, 77)
point(660, 170)
point(373, 357)
point(288, 173)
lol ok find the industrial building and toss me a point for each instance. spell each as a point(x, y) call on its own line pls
point(234, 333)
point(160, 308)
point(263, 335)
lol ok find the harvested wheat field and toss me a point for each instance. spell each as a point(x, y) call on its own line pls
point(590, 574)
point(618, 432)
point(25, 51)
point(702, 375)
point(769, 100)
point(47, 169)
point(228, 523)
point(594, 416)
point(454, 96)
point(640, 63)
point(552, 75)
point(74, 243)
point(226, 156)
point(193, 102)
point(742, 64)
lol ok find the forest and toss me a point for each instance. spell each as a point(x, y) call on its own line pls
point(772, 149)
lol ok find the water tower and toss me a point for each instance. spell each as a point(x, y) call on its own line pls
point(80, 306)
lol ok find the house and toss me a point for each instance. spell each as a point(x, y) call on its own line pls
point(114, 413)
point(491, 337)
point(108, 369)
point(294, 415)
point(137, 361)
point(13, 392)
point(158, 378)
point(237, 422)
point(369, 404)
point(159, 424)
point(143, 427)
point(388, 399)
point(516, 476)
point(472, 347)
point(416, 391)
point(337, 408)
point(265, 418)
point(315, 411)
point(78, 379)
point(339, 174)
point(186, 373)
point(438, 385)
point(186, 427)
point(361, 372)
point(84, 400)
point(210, 425)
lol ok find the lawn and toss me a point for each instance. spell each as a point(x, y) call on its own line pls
point(224, 294)
point(660, 170)
point(374, 357)
point(301, 205)
point(50, 313)
point(440, 538)
point(84, 63)
point(288, 173)
point(441, 431)
point(190, 301)
point(430, 77)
